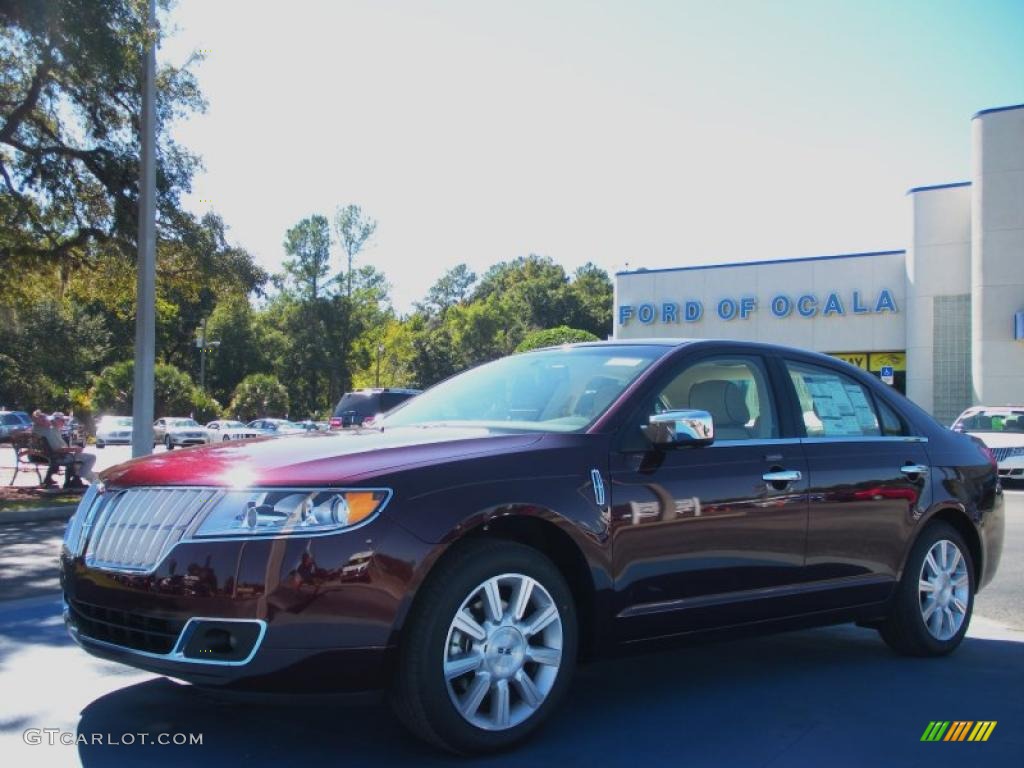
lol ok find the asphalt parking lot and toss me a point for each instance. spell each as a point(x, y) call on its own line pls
point(833, 696)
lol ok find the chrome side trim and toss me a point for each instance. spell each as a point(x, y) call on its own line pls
point(177, 654)
point(598, 482)
point(820, 440)
point(725, 598)
point(867, 439)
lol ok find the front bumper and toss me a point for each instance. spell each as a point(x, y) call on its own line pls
point(326, 609)
point(1012, 468)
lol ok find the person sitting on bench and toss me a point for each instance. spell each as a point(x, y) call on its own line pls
point(49, 428)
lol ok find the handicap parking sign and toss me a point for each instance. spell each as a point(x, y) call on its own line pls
point(887, 374)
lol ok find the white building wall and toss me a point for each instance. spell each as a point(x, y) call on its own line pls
point(938, 264)
point(997, 274)
point(867, 274)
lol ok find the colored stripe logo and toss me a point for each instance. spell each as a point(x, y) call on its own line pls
point(958, 730)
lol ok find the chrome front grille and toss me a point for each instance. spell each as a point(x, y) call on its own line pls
point(1002, 454)
point(132, 530)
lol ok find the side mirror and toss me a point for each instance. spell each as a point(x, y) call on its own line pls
point(676, 429)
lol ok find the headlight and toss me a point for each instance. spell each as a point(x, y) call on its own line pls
point(280, 511)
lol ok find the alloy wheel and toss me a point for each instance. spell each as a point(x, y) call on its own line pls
point(503, 651)
point(944, 589)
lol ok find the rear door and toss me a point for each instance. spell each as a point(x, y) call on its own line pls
point(702, 535)
point(868, 482)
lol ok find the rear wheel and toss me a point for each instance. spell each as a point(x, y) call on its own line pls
point(100, 443)
point(168, 444)
point(488, 650)
point(935, 597)
point(226, 438)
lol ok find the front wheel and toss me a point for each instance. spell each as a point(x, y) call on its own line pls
point(934, 600)
point(226, 438)
point(488, 650)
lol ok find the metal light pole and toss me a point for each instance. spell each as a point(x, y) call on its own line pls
point(145, 291)
point(204, 347)
point(380, 351)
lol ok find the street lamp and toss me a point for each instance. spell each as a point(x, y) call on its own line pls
point(380, 351)
point(204, 347)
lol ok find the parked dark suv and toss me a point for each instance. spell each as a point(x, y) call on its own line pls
point(558, 505)
point(361, 406)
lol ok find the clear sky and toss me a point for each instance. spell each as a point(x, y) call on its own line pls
point(636, 133)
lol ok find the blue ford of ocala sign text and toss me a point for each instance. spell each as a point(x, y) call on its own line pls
point(782, 305)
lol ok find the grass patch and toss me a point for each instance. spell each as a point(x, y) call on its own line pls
point(60, 500)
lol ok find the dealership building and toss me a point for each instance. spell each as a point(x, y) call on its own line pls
point(941, 320)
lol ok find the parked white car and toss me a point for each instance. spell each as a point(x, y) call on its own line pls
point(1001, 428)
point(223, 430)
point(113, 430)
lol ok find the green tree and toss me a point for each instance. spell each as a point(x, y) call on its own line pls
point(594, 295)
point(551, 337)
point(175, 393)
point(308, 244)
point(453, 287)
point(70, 98)
point(354, 230)
point(243, 349)
point(48, 348)
point(259, 395)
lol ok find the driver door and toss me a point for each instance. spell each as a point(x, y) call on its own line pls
point(701, 535)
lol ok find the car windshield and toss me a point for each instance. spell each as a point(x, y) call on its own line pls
point(232, 425)
point(282, 424)
point(182, 423)
point(552, 390)
point(991, 420)
point(117, 421)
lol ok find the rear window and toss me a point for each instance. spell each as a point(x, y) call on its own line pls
point(389, 400)
point(362, 403)
point(9, 419)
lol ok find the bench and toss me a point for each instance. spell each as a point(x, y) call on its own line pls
point(32, 452)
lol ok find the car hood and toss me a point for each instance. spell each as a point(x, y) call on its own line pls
point(319, 458)
point(1000, 439)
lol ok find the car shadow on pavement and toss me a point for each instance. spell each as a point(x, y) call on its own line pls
point(834, 695)
point(28, 559)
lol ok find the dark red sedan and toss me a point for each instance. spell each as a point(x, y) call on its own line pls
point(540, 510)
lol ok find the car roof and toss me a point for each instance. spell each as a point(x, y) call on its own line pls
point(762, 346)
point(993, 409)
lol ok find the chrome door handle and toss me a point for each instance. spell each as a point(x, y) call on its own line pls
point(782, 476)
point(914, 469)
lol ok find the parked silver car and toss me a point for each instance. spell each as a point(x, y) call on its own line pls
point(113, 430)
point(275, 427)
point(177, 431)
point(13, 421)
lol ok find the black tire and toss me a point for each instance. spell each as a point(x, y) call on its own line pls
point(226, 439)
point(100, 444)
point(168, 444)
point(904, 630)
point(419, 693)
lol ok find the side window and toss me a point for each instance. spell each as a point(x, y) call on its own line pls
point(892, 425)
point(833, 404)
point(734, 390)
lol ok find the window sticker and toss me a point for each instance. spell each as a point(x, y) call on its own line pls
point(623, 362)
point(842, 407)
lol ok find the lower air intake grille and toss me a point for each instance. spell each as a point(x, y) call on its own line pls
point(131, 630)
